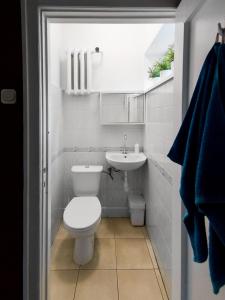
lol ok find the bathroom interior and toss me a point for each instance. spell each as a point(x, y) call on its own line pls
point(110, 127)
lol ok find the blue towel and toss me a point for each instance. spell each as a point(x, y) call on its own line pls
point(200, 148)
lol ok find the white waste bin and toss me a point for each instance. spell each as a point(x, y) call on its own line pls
point(137, 209)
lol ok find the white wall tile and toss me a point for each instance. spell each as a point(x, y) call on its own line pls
point(158, 196)
point(158, 137)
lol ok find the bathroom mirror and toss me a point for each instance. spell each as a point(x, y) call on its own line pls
point(122, 108)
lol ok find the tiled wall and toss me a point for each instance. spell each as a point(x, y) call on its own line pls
point(158, 196)
point(82, 126)
point(85, 142)
point(159, 119)
point(158, 137)
point(56, 158)
point(55, 128)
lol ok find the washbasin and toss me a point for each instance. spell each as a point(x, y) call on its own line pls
point(125, 162)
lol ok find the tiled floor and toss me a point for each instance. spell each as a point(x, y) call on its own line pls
point(123, 267)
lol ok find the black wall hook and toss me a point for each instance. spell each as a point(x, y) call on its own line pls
point(221, 32)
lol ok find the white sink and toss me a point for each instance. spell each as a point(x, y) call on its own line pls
point(125, 162)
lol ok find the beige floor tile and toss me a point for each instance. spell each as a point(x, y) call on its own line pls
point(62, 255)
point(132, 254)
point(97, 285)
point(104, 255)
point(63, 234)
point(124, 229)
point(138, 284)
point(152, 254)
point(105, 229)
point(161, 285)
point(62, 284)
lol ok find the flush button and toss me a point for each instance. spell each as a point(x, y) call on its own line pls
point(8, 96)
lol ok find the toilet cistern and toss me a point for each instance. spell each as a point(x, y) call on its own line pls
point(124, 150)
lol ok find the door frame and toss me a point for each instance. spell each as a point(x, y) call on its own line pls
point(34, 27)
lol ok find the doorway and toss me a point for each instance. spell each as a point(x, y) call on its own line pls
point(47, 17)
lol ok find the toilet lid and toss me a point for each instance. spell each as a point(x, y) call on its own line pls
point(82, 212)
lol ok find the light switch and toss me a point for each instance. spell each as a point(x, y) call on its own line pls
point(8, 96)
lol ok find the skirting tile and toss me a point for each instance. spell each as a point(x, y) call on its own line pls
point(112, 212)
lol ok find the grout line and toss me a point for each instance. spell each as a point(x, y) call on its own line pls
point(132, 269)
point(162, 288)
point(117, 272)
point(159, 284)
point(74, 295)
point(132, 238)
point(118, 293)
point(156, 269)
point(152, 254)
point(98, 269)
point(103, 237)
point(65, 269)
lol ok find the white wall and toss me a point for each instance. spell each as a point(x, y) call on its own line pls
point(203, 33)
point(158, 137)
point(123, 45)
point(55, 125)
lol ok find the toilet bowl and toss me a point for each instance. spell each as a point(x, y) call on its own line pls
point(81, 218)
point(83, 213)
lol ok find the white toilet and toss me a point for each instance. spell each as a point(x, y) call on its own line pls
point(83, 213)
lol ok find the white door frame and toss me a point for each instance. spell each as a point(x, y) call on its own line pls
point(35, 17)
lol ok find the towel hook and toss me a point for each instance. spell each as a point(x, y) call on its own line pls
point(221, 32)
point(96, 51)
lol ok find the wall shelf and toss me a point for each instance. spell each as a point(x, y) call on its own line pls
point(158, 83)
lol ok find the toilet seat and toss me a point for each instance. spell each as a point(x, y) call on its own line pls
point(82, 213)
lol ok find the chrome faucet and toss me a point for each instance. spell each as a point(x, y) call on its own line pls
point(124, 150)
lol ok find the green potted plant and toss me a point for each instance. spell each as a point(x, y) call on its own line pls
point(154, 72)
point(163, 66)
point(166, 62)
point(170, 57)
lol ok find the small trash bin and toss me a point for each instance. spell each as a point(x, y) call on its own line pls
point(137, 209)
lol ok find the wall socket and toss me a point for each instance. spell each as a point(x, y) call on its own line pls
point(8, 96)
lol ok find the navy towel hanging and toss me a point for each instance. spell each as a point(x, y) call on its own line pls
point(200, 148)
